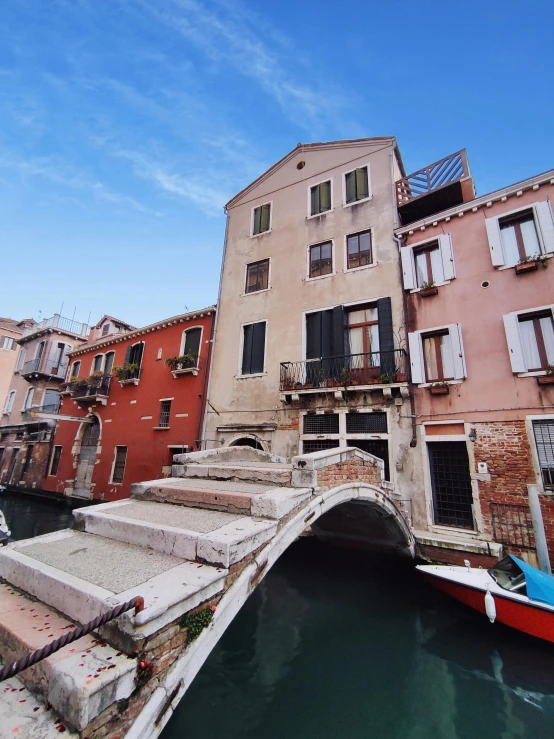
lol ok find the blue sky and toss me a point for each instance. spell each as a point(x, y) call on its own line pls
point(127, 124)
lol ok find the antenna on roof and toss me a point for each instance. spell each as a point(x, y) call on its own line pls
point(88, 319)
point(74, 309)
point(61, 309)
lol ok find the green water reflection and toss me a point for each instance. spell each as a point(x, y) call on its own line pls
point(330, 648)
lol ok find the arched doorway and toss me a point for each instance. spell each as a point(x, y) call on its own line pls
point(87, 458)
point(250, 441)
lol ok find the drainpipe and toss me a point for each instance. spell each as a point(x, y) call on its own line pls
point(214, 339)
point(203, 403)
point(413, 442)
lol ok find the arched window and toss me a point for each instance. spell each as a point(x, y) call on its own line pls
point(247, 441)
point(97, 363)
point(108, 362)
point(9, 402)
point(75, 369)
point(29, 398)
point(190, 343)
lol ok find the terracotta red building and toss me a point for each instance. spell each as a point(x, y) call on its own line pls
point(131, 400)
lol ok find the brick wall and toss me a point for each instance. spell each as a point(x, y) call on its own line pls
point(353, 470)
point(504, 446)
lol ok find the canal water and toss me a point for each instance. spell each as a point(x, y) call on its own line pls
point(336, 645)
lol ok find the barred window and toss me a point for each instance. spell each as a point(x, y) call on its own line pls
point(544, 439)
point(377, 447)
point(327, 423)
point(366, 423)
point(119, 465)
point(165, 410)
point(316, 445)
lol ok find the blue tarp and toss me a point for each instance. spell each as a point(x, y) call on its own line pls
point(540, 586)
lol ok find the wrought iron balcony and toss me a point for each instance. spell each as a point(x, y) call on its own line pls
point(90, 388)
point(45, 366)
point(439, 186)
point(347, 372)
point(61, 323)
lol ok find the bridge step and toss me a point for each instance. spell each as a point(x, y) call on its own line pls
point(24, 716)
point(272, 474)
point(215, 537)
point(83, 575)
point(80, 680)
point(246, 498)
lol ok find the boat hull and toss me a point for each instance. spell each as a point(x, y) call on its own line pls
point(528, 617)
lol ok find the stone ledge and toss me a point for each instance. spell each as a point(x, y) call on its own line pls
point(338, 455)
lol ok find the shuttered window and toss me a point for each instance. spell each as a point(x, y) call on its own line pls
point(428, 263)
point(357, 185)
point(192, 342)
point(119, 464)
point(437, 355)
point(544, 439)
point(253, 348)
point(261, 219)
point(530, 339)
point(320, 198)
point(521, 235)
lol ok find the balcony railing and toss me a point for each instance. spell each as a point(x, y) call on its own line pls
point(350, 370)
point(57, 321)
point(128, 374)
point(91, 387)
point(30, 413)
point(45, 366)
point(450, 169)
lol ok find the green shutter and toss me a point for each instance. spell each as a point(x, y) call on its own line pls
point(266, 210)
point(258, 348)
point(351, 187)
point(324, 197)
point(362, 190)
point(314, 192)
point(257, 219)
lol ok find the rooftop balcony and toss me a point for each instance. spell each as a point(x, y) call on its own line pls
point(370, 372)
point(442, 185)
point(60, 323)
point(45, 367)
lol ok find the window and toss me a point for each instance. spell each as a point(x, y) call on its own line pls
point(520, 235)
point(9, 402)
point(317, 445)
point(28, 458)
point(50, 400)
point(427, 263)
point(530, 338)
point(97, 363)
point(119, 464)
point(257, 276)
point(108, 362)
point(321, 259)
point(191, 344)
point(165, 410)
point(21, 359)
point(363, 330)
point(320, 198)
point(1, 454)
point(357, 184)
point(366, 423)
point(7, 342)
point(326, 423)
point(29, 398)
point(75, 369)
point(261, 219)
point(57, 453)
point(106, 329)
point(537, 340)
point(358, 249)
point(437, 355)
point(133, 355)
point(544, 439)
point(253, 348)
point(451, 484)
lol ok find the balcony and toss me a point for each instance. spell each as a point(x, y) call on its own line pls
point(60, 323)
point(374, 371)
point(184, 365)
point(442, 185)
point(91, 389)
point(129, 375)
point(45, 367)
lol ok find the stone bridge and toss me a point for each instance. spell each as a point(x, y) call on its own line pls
point(194, 546)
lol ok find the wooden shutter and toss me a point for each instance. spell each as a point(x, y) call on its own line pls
point(445, 244)
point(192, 341)
point(313, 335)
point(408, 271)
point(339, 332)
point(327, 333)
point(495, 241)
point(546, 224)
point(247, 349)
point(362, 184)
point(265, 218)
point(324, 197)
point(128, 356)
point(258, 348)
point(314, 200)
point(386, 336)
point(416, 358)
point(517, 359)
point(460, 370)
point(350, 181)
point(257, 220)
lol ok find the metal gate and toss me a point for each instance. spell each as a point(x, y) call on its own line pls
point(87, 459)
point(451, 484)
point(512, 525)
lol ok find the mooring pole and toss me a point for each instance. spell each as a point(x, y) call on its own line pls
point(538, 528)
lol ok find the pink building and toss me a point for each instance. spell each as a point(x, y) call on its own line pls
point(478, 280)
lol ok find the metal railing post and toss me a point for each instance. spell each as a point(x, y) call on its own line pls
point(538, 527)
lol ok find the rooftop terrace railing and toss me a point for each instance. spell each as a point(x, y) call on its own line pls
point(57, 321)
point(444, 172)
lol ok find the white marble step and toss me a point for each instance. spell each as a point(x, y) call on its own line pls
point(24, 716)
point(214, 537)
point(271, 474)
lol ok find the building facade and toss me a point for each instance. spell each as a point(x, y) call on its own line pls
point(41, 365)
point(310, 350)
point(132, 399)
point(10, 332)
point(479, 295)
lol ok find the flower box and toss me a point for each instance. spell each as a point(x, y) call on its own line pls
point(526, 267)
point(400, 377)
point(545, 379)
point(439, 389)
point(429, 291)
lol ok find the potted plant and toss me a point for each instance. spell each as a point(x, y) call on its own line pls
point(427, 289)
point(528, 264)
point(439, 388)
point(547, 379)
point(126, 374)
point(387, 378)
point(400, 377)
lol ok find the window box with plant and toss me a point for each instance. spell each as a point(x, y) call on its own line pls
point(439, 388)
point(183, 364)
point(127, 375)
point(531, 264)
point(427, 289)
point(548, 378)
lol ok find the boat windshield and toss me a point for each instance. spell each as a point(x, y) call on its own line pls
point(509, 576)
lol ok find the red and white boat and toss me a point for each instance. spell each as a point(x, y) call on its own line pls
point(512, 592)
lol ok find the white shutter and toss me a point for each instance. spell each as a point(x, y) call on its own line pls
point(514, 343)
point(546, 224)
point(495, 241)
point(445, 244)
point(407, 257)
point(460, 370)
point(416, 358)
